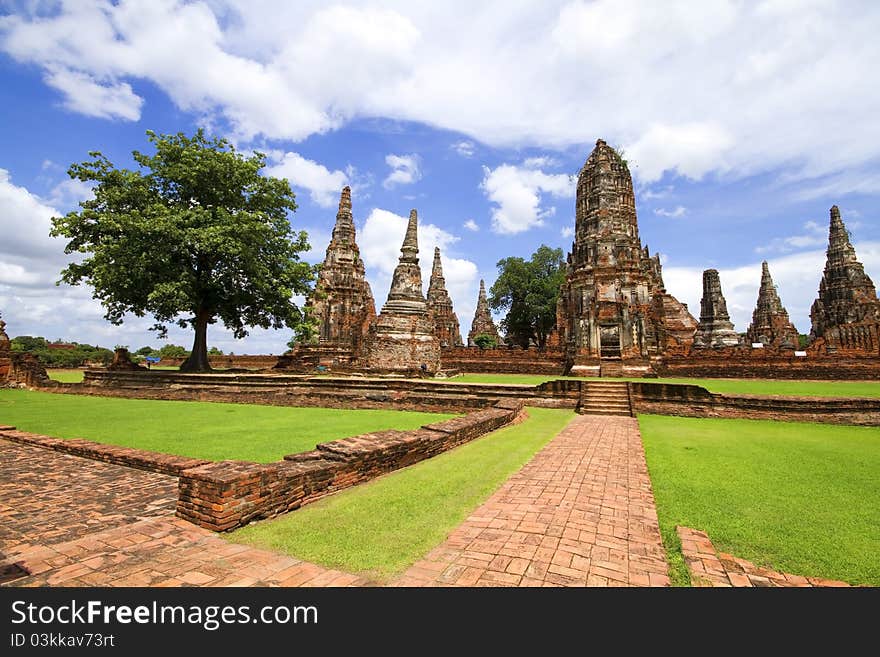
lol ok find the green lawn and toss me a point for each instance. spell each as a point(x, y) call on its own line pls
point(380, 528)
point(731, 386)
point(801, 498)
point(65, 376)
point(198, 429)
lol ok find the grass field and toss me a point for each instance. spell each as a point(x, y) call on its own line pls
point(65, 376)
point(801, 498)
point(197, 429)
point(731, 386)
point(380, 528)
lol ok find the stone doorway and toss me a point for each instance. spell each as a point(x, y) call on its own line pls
point(609, 341)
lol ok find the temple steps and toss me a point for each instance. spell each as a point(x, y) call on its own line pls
point(605, 398)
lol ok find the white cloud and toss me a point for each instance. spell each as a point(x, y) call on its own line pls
point(405, 170)
point(567, 231)
point(814, 235)
point(517, 193)
point(86, 95)
point(26, 222)
point(380, 240)
point(324, 186)
point(678, 211)
point(796, 276)
point(465, 148)
point(751, 89)
point(471, 225)
point(68, 193)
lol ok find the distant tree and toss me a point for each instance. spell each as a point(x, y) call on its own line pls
point(145, 351)
point(195, 235)
point(214, 351)
point(528, 291)
point(484, 341)
point(803, 341)
point(173, 351)
point(27, 343)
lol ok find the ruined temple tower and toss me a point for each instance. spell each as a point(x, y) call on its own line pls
point(715, 329)
point(770, 323)
point(613, 305)
point(403, 338)
point(342, 304)
point(847, 313)
point(440, 307)
point(483, 324)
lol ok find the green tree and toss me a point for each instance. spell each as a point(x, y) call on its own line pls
point(528, 291)
point(173, 351)
point(484, 341)
point(193, 236)
point(214, 351)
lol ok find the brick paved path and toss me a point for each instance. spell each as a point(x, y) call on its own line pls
point(168, 551)
point(70, 521)
point(47, 497)
point(581, 512)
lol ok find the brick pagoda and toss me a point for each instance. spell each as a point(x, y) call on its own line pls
point(846, 315)
point(440, 307)
point(613, 304)
point(770, 323)
point(342, 303)
point(483, 324)
point(403, 339)
point(715, 329)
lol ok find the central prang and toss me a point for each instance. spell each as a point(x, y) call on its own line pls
point(613, 305)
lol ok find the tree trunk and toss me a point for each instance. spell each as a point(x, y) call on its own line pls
point(198, 358)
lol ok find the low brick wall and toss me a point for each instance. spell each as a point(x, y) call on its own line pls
point(300, 390)
point(243, 362)
point(503, 360)
point(134, 458)
point(229, 494)
point(694, 401)
point(735, 365)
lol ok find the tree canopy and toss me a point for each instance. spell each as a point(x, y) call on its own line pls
point(528, 290)
point(193, 236)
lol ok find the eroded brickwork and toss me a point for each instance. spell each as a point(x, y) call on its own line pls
point(715, 329)
point(846, 315)
point(403, 338)
point(770, 323)
point(609, 306)
point(440, 307)
point(482, 323)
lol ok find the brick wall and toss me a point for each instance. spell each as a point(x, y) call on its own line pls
point(229, 494)
point(694, 401)
point(754, 364)
point(243, 362)
point(503, 360)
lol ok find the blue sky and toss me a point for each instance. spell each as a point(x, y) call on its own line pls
point(743, 123)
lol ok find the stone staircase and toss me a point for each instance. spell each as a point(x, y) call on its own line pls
point(605, 398)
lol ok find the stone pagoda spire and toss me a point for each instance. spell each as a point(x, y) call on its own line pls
point(715, 328)
point(770, 323)
point(847, 311)
point(440, 307)
point(613, 305)
point(343, 302)
point(403, 339)
point(4, 339)
point(483, 324)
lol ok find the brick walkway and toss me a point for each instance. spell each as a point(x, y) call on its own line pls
point(581, 512)
point(47, 497)
point(168, 551)
point(70, 521)
point(709, 568)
